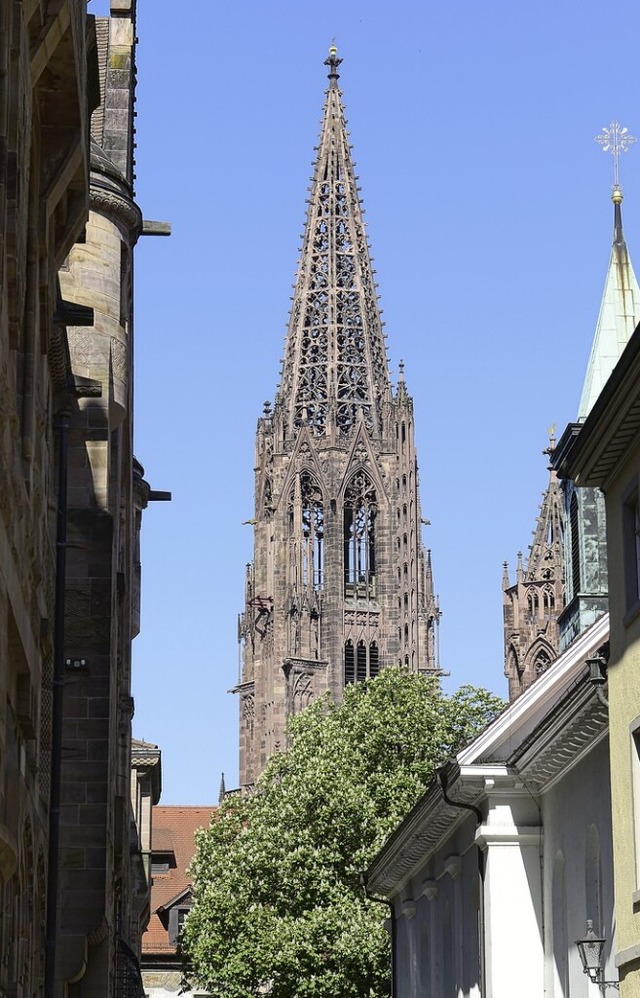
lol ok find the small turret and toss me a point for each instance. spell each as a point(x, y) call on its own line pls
point(531, 606)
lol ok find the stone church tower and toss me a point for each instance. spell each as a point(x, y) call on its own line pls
point(340, 585)
point(532, 605)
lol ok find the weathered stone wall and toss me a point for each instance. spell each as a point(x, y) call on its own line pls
point(44, 111)
point(48, 88)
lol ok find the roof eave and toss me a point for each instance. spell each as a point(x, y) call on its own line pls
point(588, 453)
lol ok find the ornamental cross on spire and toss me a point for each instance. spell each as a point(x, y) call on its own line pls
point(615, 140)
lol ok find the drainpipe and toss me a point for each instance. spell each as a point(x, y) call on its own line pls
point(61, 426)
point(444, 773)
point(381, 900)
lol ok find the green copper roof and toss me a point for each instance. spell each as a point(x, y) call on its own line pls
point(619, 315)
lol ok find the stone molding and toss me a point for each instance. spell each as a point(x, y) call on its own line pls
point(119, 208)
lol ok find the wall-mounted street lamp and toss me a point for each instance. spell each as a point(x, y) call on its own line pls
point(591, 948)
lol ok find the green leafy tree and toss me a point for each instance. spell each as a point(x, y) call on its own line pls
point(278, 907)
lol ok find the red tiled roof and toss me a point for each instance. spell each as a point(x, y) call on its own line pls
point(172, 829)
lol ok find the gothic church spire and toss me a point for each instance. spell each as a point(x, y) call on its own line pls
point(335, 365)
point(340, 585)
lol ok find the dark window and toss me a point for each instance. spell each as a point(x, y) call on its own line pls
point(361, 662)
point(162, 862)
point(549, 600)
point(373, 660)
point(176, 921)
point(349, 664)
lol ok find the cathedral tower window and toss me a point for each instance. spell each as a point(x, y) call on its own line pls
point(533, 603)
point(549, 600)
point(360, 662)
point(542, 662)
point(306, 523)
point(373, 660)
point(360, 510)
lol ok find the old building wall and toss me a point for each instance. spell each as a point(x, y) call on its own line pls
point(66, 361)
point(45, 96)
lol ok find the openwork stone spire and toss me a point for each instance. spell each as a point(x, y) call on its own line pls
point(335, 367)
point(340, 585)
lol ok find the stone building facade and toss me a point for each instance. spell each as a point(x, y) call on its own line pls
point(340, 584)
point(73, 894)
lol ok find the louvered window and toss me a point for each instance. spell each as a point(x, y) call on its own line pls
point(360, 662)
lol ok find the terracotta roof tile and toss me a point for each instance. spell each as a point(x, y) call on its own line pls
point(172, 829)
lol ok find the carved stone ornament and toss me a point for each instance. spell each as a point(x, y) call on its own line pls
point(119, 208)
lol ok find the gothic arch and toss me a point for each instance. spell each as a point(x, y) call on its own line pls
point(359, 535)
point(302, 692)
point(533, 602)
point(513, 666)
point(305, 513)
point(548, 600)
point(361, 660)
point(539, 658)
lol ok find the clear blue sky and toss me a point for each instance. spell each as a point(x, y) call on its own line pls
point(490, 224)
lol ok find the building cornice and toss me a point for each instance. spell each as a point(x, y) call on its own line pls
point(569, 733)
point(118, 207)
point(591, 451)
point(520, 718)
point(535, 739)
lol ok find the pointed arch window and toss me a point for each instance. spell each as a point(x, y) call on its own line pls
point(306, 523)
point(542, 662)
point(549, 601)
point(361, 661)
point(360, 509)
point(533, 603)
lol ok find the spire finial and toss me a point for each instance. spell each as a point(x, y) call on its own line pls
point(552, 440)
point(615, 140)
point(332, 61)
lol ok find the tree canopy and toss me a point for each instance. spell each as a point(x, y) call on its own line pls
point(278, 907)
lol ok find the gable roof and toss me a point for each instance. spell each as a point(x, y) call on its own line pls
point(173, 829)
point(549, 726)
